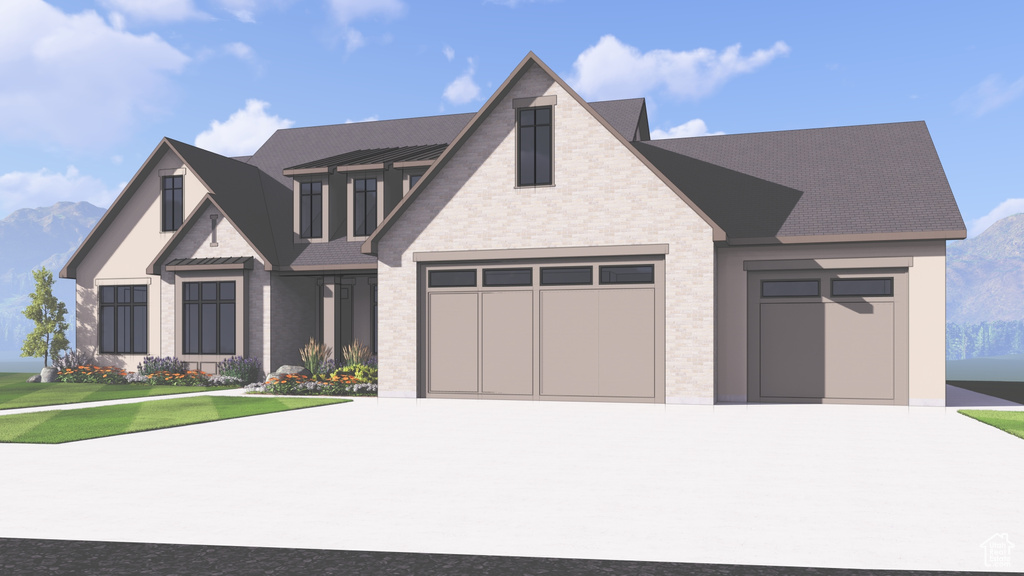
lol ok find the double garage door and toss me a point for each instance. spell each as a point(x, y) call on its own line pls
point(828, 336)
point(554, 330)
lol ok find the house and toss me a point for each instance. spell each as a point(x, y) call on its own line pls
point(542, 248)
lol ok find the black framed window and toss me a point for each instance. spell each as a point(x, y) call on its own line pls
point(566, 275)
point(789, 288)
point(311, 218)
point(208, 318)
point(508, 277)
point(861, 287)
point(534, 154)
point(171, 205)
point(413, 179)
point(364, 206)
point(643, 274)
point(124, 323)
point(451, 278)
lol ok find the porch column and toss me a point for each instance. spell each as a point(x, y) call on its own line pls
point(330, 314)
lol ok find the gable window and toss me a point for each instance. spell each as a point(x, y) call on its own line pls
point(364, 201)
point(311, 218)
point(171, 203)
point(208, 318)
point(413, 179)
point(534, 153)
point(123, 320)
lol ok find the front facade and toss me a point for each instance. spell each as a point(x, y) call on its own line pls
point(542, 249)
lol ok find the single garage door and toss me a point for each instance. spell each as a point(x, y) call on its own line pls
point(828, 337)
point(559, 331)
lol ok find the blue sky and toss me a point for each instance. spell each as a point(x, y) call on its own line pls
point(90, 87)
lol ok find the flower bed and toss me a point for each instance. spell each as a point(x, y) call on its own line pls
point(93, 375)
point(338, 384)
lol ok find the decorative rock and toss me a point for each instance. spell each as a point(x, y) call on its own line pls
point(34, 378)
point(288, 370)
point(48, 374)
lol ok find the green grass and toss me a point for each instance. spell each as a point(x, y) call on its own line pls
point(16, 393)
point(59, 426)
point(1011, 421)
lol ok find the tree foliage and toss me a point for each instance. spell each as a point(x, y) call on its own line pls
point(49, 337)
point(985, 339)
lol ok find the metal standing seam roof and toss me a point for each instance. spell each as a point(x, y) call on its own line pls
point(377, 156)
point(237, 261)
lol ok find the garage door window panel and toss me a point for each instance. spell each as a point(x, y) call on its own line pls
point(567, 276)
point(508, 277)
point(861, 287)
point(452, 279)
point(627, 274)
point(790, 288)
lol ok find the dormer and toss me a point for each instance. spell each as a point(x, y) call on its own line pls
point(349, 195)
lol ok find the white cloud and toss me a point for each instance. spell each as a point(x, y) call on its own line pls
point(155, 10)
point(240, 50)
point(993, 92)
point(695, 127)
point(348, 11)
point(449, 53)
point(244, 10)
point(43, 188)
point(75, 80)
point(611, 69)
point(463, 89)
point(243, 132)
point(373, 118)
point(1006, 208)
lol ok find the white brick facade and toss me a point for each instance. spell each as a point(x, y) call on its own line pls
point(603, 195)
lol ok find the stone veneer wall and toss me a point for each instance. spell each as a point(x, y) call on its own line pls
point(603, 195)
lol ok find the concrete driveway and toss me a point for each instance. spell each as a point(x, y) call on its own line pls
point(832, 486)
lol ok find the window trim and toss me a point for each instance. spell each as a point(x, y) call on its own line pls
point(534, 104)
point(133, 308)
point(314, 196)
point(177, 218)
point(350, 202)
point(201, 302)
point(241, 281)
point(325, 215)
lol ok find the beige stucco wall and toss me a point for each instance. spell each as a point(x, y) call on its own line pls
point(121, 255)
point(603, 195)
point(927, 302)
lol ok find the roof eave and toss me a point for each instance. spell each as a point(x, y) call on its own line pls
point(957, 234)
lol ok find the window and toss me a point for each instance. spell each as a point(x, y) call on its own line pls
point(627, 274)
point(567, 275)
point(311, 219)
point(534, 154)
point(783, 288)
point(123, 320)
point(451, 278)
point(862, 287)
point(413, 179)
point(172, 203)
point(364, 202)
point(208, 318)
point(509, 277)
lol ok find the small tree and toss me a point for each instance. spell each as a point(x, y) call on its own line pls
point(48, 338)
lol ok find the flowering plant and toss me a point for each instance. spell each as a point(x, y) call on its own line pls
point(189, 378)
point(93, 375)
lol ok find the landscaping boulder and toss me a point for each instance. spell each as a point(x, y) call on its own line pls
point(34, 378)
point(289, 370)
point(48, 374)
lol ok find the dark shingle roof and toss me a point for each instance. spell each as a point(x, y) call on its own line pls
point(873, 179)
point(377, 156)
point(623, 115)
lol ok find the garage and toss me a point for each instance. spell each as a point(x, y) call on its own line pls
point(581, 329)
point(828, 336)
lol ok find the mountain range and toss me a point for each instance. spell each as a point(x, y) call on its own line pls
point(984, 274)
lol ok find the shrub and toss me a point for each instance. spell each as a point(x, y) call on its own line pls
point(136, 378)
point(356, 353)
point(327, 367)
point(313, 355)
point(71, 359)
point(151, 365)
point(244, 369)
point(222, 380)
point(189, 378)
point(93, 375)
point(295, 385)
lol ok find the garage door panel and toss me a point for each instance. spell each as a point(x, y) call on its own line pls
point(453, 342)
point(793, 350)
point(859, 356)
point(569, 359)
point(626, 343)
point(508, 342)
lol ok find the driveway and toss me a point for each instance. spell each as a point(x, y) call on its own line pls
point(813, 485)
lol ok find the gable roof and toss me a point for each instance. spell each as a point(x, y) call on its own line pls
point(878, 181)
point(531, 59)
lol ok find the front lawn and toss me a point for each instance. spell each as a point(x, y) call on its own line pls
point(16, 393)
point(1010, 421)
point(59, 426)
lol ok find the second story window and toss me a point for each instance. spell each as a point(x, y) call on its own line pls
point(534, 153)
point(172, 203)
point(364, 203)
point(311, 217)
